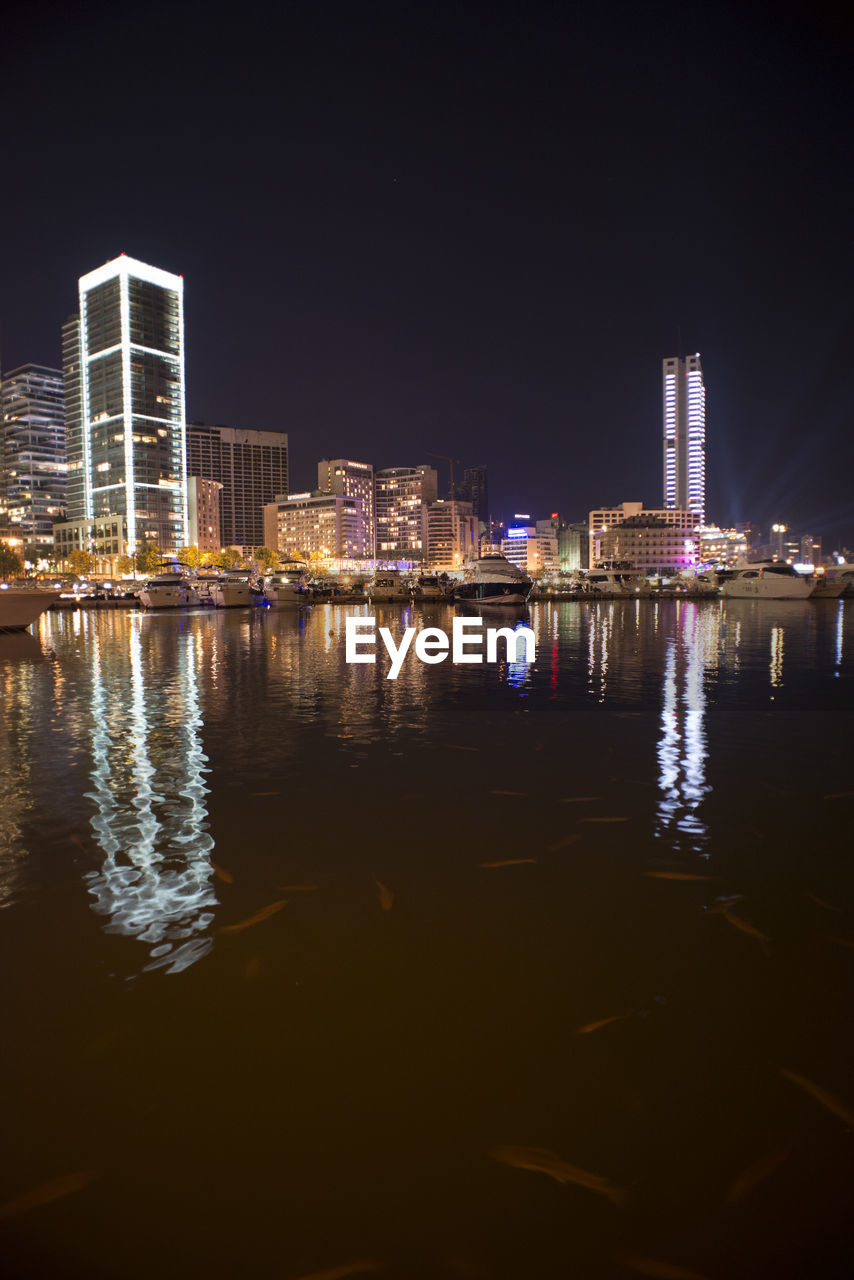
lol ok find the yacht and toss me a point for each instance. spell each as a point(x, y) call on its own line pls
point(617, 580)
point(768, 580)
point(204, 583)
point(388, 586)
point(827, 586)
point(168, 591)
point(287, 587)
point(21, 606)
point(494, 580)
point(428, 588)
point(233, 590)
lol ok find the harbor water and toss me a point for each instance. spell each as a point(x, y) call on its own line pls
point(504, 971)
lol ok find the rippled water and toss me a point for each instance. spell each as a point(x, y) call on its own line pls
point(267, 1012)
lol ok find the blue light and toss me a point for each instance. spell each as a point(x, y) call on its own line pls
point(517, 533)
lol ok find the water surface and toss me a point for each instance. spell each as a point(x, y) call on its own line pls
point(330, 1084)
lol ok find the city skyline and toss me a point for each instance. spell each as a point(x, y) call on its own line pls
point(474, 234)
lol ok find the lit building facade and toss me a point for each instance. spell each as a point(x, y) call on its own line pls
point(204, 498)
point(647, 543)
point(521, 545)
point(721, 546)
point(449, 534)
point(33, 464)
point(104, 537)
point(684, 406)
point(401, 496)
point(322, 524)
point(251, 466)
point(123, 358)
point(351, 480)
point(604, 520)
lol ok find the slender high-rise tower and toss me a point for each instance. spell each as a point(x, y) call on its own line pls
point(125, 414)
point(685, 435)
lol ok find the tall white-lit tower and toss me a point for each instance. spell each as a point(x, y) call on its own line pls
point(125, 407)
point(684, 396)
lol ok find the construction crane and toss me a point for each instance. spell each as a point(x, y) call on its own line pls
point(450, 461)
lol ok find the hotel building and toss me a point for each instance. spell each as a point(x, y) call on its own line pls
point(653, 539)
point(402, 494)
point(351, 480)
point(684, 404)
point(251, 466)
point(322, 524)
point(123, 359)
point(33, 464)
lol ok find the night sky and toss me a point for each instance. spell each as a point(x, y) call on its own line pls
point(471, 229)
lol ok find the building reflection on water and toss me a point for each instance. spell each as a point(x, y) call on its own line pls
point(690, 652)
point(149, 793)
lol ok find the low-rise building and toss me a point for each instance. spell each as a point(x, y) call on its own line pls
point(104, 537)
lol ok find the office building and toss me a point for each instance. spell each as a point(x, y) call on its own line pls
point(684, 395)
point(251, 466)
point(351, 480)
point(402, 493)
point(33, 465)
point(125, 416)
point(327, 525)
point(604, 520)
point(449, 535)
point(204, 499)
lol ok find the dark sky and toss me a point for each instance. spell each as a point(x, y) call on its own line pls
point(471, 229)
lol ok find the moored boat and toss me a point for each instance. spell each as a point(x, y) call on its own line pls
point(20, 607)
point(234, 590)
point(494, 580)
point(388, 586)
point(168, 591)
point(287, 587)
point(767, 580)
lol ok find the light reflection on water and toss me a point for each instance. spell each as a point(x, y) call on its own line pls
point(149, 794)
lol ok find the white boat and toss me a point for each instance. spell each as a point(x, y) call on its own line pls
point(287, 588)
point(21, 606)
point(168, 591)
point(233, 590)
point(767, 580)
point(203, 584)
point(494, 580)
point(827, 586)
point(617, 580)
point(388, 586)
point(428, 587)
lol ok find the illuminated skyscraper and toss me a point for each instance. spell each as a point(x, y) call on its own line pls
point(685, 435)
point(125, 414)
point(32, 455)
